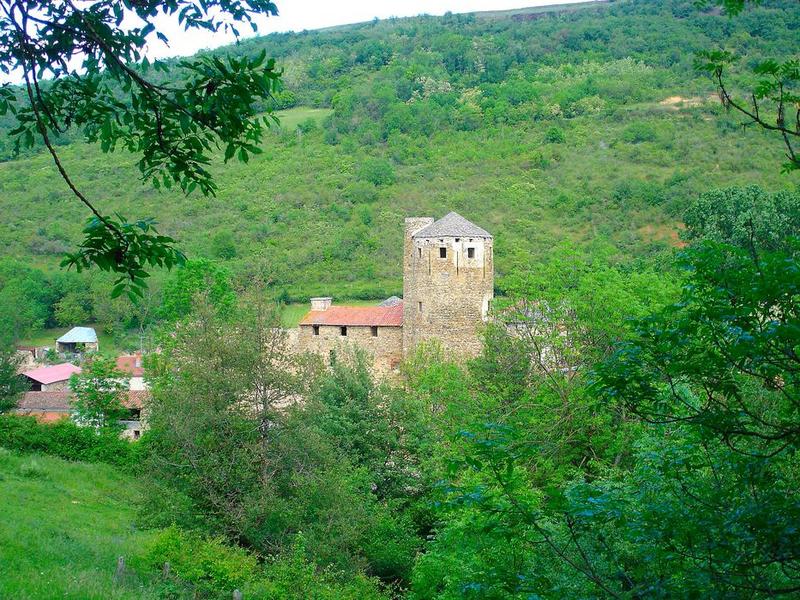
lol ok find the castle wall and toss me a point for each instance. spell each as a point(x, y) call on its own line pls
point(447, 299)
point(386, 349)
point(410, 322)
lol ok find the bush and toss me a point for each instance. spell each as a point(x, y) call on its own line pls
point(215, 568)
point(208, 563)
point(67, 440)
point(639, 132)
point(377, 171)
point(555, 135)
point(223, 245)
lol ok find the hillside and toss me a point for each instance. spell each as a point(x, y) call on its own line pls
point(586, 126)
point(63, 527)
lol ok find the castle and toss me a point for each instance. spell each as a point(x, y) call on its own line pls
point(448, 283)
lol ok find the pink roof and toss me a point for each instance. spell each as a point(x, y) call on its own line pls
point(52, 374)
point(383, 316)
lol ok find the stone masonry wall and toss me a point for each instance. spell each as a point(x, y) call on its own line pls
point(57, 386)
point(386, 349)
point(410, 323)
point(447, 298)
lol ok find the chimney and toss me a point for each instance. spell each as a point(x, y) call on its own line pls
point(321, 303)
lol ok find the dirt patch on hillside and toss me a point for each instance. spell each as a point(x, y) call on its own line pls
point(678, 102)
point(669, 233)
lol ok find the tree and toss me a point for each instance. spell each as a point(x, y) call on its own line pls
point(777, 91)
point(12, 384)
point(702, 501)
point(198, 277)
point(228, 449)
point(84, 67)
point(223, 245)
point(746, 217)
point(99, 394)
point(73, 309)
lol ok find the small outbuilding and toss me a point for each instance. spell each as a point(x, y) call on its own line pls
point(54, 378)
point(78, 339)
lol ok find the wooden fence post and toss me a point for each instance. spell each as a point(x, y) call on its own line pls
point(120, 569)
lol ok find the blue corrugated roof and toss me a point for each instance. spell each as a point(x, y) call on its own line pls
point(79, 335)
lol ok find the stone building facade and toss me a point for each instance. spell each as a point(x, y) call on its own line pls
point(448, 283)
point(328, 329)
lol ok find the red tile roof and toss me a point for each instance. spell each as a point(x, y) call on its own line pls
point(136, 398)
point(130, 364)
point(53, 373)
point(45, 401)
point(382, 316)
point(51, 401)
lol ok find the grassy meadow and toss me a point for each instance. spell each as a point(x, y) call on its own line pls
point(64, 525)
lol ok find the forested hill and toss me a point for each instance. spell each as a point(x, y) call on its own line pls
point(579, 124)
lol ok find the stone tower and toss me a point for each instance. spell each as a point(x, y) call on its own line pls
point(448, 283)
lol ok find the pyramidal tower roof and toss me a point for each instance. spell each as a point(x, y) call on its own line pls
point(451, 225)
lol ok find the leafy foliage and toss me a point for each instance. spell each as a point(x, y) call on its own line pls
point(67, 440)
point(127, 248)
point(172, 127)
point(197, 277)
point(12, 384)
point(99, 394)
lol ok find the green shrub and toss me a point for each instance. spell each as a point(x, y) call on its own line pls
point(223, 245)
point(67, 440)
point(215, 568)
point(308, 125)
point(639, 132)
point(555, 135)
point(292, 576)
point(210, 564)
point(377, 171)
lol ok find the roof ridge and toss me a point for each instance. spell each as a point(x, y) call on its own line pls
point(450, 225)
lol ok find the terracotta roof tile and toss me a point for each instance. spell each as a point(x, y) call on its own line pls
point(62, 400)
point(136, 398)
point(45, 401)
point(130, 364)
point(382, 316)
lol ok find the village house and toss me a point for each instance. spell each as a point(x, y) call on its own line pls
point(448, 287)
point(131, 365)
point(49, 407)
point(78, 340)
point(53, 378)
point(50, 398)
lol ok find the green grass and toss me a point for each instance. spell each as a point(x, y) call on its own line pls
point(291, 314)
point(292, 117)
point(63, 526)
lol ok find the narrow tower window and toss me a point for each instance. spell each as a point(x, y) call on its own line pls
point(419, 306)
point(470, 252)
point(315, 329)
point(343, 331)
point(374, 330)
point(419, 252)
point(443, 252)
